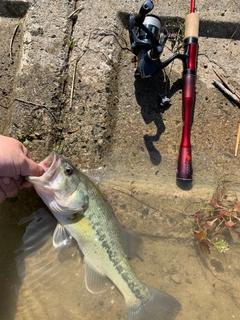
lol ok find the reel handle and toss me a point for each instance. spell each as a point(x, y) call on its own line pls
point(146, 7)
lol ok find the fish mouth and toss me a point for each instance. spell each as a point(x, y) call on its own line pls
point(50, 165)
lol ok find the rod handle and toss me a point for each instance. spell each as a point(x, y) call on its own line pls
point(184, 169)
point(191, 25)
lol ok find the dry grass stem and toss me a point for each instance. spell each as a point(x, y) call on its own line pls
point(12, 39)
point(237, 141)
point(74, 12)
point(73, 83)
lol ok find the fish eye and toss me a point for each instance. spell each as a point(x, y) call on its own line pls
point(68, 171)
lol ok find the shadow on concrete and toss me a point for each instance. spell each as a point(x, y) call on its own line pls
point(13, 9)
point(212, 29)
point(184, 185)
point(148, 92)
point(207, 28)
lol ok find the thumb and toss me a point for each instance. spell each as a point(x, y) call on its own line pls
point(31, 168)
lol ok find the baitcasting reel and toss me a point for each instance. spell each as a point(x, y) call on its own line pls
point(146, 43)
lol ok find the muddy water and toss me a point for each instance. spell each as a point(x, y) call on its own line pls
point(207, 286)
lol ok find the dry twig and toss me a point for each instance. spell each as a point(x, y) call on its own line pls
point(227, 84)
point(226, 91)
point(38, 106)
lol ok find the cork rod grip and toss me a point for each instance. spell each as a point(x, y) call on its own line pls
point(191, 25)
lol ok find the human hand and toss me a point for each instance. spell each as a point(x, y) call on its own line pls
point(15, 163)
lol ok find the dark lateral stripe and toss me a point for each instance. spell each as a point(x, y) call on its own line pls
point(114, 257)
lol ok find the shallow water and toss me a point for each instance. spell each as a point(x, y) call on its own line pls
point(207, 286)
point(140, 185)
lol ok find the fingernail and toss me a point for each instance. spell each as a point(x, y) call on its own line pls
point(6, 180)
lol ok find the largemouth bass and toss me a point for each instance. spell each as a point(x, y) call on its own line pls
point(83, 214)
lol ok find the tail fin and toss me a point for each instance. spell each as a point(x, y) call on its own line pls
point(159, 306)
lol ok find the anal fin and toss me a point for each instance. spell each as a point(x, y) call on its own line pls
point(96, 282)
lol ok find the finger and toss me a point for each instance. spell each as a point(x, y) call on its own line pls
point(2, 195)
point(9, 187)
point(31, 168)
point(25, 151)
point(18, 181)
point(26, 184)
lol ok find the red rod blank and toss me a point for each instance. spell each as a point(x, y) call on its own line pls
point(192, 8)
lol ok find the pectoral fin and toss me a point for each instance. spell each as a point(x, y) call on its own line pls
point(96, 282)
point(60, 236)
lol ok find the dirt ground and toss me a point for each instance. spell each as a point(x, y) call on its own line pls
point(106, 118)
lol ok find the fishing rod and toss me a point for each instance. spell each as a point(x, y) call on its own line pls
point(148, 44)
point(184, 169)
